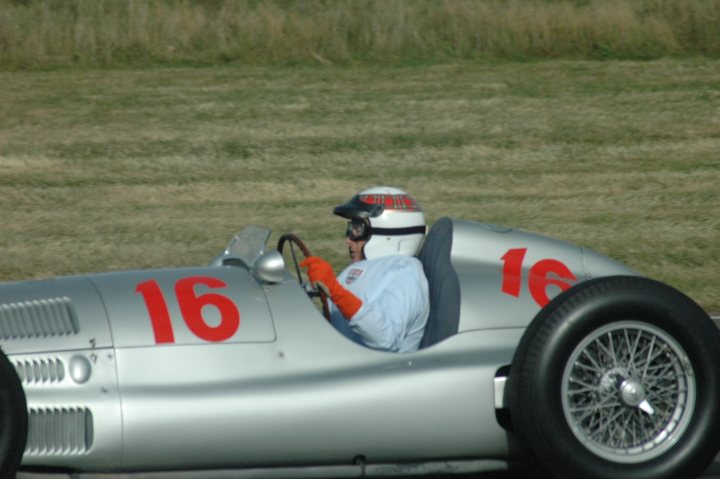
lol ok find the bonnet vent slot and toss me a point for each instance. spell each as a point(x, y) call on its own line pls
point(38, 319)
point(59, 431)
point(40, 371)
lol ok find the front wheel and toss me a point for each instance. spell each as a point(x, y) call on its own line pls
point(619, 377)
point(13, 419)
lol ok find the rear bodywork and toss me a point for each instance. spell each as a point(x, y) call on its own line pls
point(212, 367)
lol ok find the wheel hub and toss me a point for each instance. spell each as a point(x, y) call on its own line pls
point(632, 392)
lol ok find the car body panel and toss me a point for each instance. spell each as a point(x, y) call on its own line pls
point(52, 315)
point(132, 324)
point(211, 368)
point(310, 413)
point(506, 275)
point(73, 418)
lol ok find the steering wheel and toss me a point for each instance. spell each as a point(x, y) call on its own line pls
point(293, 240)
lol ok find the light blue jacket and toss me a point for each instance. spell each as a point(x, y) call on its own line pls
point(396, 304)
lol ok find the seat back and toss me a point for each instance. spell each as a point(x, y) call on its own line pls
point(443, 282)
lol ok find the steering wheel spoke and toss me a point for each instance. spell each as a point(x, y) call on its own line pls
point(293, 240)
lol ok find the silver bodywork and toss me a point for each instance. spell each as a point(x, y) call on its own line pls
point(106, 392)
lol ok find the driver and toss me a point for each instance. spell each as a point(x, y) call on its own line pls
point(381, 298)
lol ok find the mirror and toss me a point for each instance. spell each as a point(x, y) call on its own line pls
point(270, 267)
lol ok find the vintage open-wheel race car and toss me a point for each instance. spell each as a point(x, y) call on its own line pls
point(536, 352)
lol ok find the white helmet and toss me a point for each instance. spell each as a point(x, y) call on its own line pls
point(389, 219)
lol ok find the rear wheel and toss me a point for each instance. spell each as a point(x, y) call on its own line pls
point(13, 419)
point(619, 377)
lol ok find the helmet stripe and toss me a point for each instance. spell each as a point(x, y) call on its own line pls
point(392, 202)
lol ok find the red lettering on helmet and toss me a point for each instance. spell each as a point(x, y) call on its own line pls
point(392, 202)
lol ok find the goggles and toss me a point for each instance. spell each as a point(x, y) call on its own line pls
point(357, 230)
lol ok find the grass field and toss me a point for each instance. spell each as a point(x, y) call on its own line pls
point(50, 33)
point(118, 169)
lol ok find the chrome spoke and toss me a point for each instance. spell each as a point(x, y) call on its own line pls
point(649, 359)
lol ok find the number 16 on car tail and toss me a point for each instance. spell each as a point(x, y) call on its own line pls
point(542, 274)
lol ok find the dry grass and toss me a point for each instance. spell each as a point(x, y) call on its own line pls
point(46, 33)
point(159, 167)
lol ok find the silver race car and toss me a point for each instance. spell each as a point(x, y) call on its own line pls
point(536, 352)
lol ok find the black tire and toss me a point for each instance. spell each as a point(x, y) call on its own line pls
point(13, 419)
point(618, 377)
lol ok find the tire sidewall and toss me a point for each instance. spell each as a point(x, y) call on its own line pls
point(544, 353)
point(13, 419)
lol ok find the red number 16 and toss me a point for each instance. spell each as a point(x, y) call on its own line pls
point(539, 278)
point(191, 308)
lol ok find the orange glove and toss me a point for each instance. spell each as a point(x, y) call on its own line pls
point(321, 275)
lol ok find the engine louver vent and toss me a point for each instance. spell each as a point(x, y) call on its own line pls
point(40, 371)
point(38, 319)
point(59, 431)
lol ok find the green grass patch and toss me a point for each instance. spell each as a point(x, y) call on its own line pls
point(123, 169)
point(45, 34)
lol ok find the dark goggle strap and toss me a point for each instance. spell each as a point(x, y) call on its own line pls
point(366, 231)
point(410, 230)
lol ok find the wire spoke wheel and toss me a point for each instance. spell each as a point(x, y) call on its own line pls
point(628, 391)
